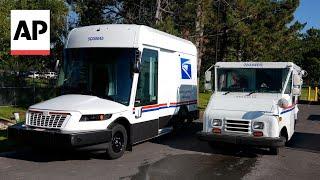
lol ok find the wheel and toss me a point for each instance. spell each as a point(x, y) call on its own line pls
point(179, 121)
point(118, 143)
point(274, 150)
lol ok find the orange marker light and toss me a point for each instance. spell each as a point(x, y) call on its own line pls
point(258, 133)
point(101, 116)
point(216, 130)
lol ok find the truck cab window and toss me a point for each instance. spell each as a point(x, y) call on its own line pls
point(260, 80)
point(147, 89)
point(101, 72)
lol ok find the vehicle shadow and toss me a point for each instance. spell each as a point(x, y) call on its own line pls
point(314, 117)
point(46, 155)
point(305, 142)
point(309, 102)
point(183, 139)
point(186, 139)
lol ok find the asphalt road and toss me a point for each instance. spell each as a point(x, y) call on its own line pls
point(179, 156)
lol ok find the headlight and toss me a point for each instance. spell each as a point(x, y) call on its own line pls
point(216, 122)
point(258, 125)
point(95, 117)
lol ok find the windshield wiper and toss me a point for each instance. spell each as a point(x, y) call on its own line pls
point(108, 97)
point(226, 92)
point(252, 92)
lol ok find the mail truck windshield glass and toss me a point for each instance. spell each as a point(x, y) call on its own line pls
point(251, 80)
point(102, 72)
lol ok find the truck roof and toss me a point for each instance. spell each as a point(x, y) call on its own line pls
point(279, 65)
point(127, 36)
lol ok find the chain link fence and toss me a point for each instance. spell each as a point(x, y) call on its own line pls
point(25, 91)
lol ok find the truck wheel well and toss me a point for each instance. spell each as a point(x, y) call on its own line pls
point(284, 133)
point(123, 121)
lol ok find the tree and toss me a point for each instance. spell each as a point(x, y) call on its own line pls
point(257, 30)
point(310, 60)
point(58, 32)
point(90, 12)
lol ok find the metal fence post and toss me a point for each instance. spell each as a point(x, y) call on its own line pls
point(309, 93)
point(316, 94)
point(14, 97)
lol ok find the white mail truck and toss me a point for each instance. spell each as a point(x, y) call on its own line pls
point(253, 103)
point(120, 85)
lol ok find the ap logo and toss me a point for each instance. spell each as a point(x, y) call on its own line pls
point(185, 68)
point(30, 32)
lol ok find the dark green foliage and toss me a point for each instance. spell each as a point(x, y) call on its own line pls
point(58, 34)
point(228, 30)
point(310, 61)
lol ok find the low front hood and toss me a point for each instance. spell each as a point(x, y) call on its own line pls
point(82, 103)
point(245, 103)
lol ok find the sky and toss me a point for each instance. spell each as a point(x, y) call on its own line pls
point(308, 12)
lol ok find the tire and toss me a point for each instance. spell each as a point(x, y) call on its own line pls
point(118, 144)
point(179, 120)
point(274, 150)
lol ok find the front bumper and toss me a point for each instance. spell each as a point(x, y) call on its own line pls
point(242, 140)
point(58, 139)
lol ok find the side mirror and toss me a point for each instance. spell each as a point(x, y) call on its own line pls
point(137, 112)
point(304, 73)
point(137, 62)
point(208, 82)
point(296, 91)
point(297, 80)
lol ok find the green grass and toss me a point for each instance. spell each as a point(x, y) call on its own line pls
point(37, 82)
point(203, 100)
point(6, 112)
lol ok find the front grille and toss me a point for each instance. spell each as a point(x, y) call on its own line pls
point(38, 119)
point(242, 126)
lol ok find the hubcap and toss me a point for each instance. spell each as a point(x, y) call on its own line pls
point(117, 142)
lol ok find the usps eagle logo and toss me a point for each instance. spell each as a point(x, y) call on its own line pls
point(185, 68)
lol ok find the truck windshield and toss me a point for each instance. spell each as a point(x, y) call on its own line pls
point(101, 72)
point(251, 80)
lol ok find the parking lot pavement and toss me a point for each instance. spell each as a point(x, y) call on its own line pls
point(179, 156)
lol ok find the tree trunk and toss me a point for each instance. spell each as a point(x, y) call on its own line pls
point(223, 46)
point(199, 37)
point(158, 12)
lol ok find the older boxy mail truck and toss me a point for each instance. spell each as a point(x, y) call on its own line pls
point(254, 103)
point(120, 85)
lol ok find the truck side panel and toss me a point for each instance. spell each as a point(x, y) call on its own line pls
point(177, 84)
point(168, 85)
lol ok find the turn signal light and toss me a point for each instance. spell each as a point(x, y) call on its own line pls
point(95, 117)
point(258, 133)
point(216, 130)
